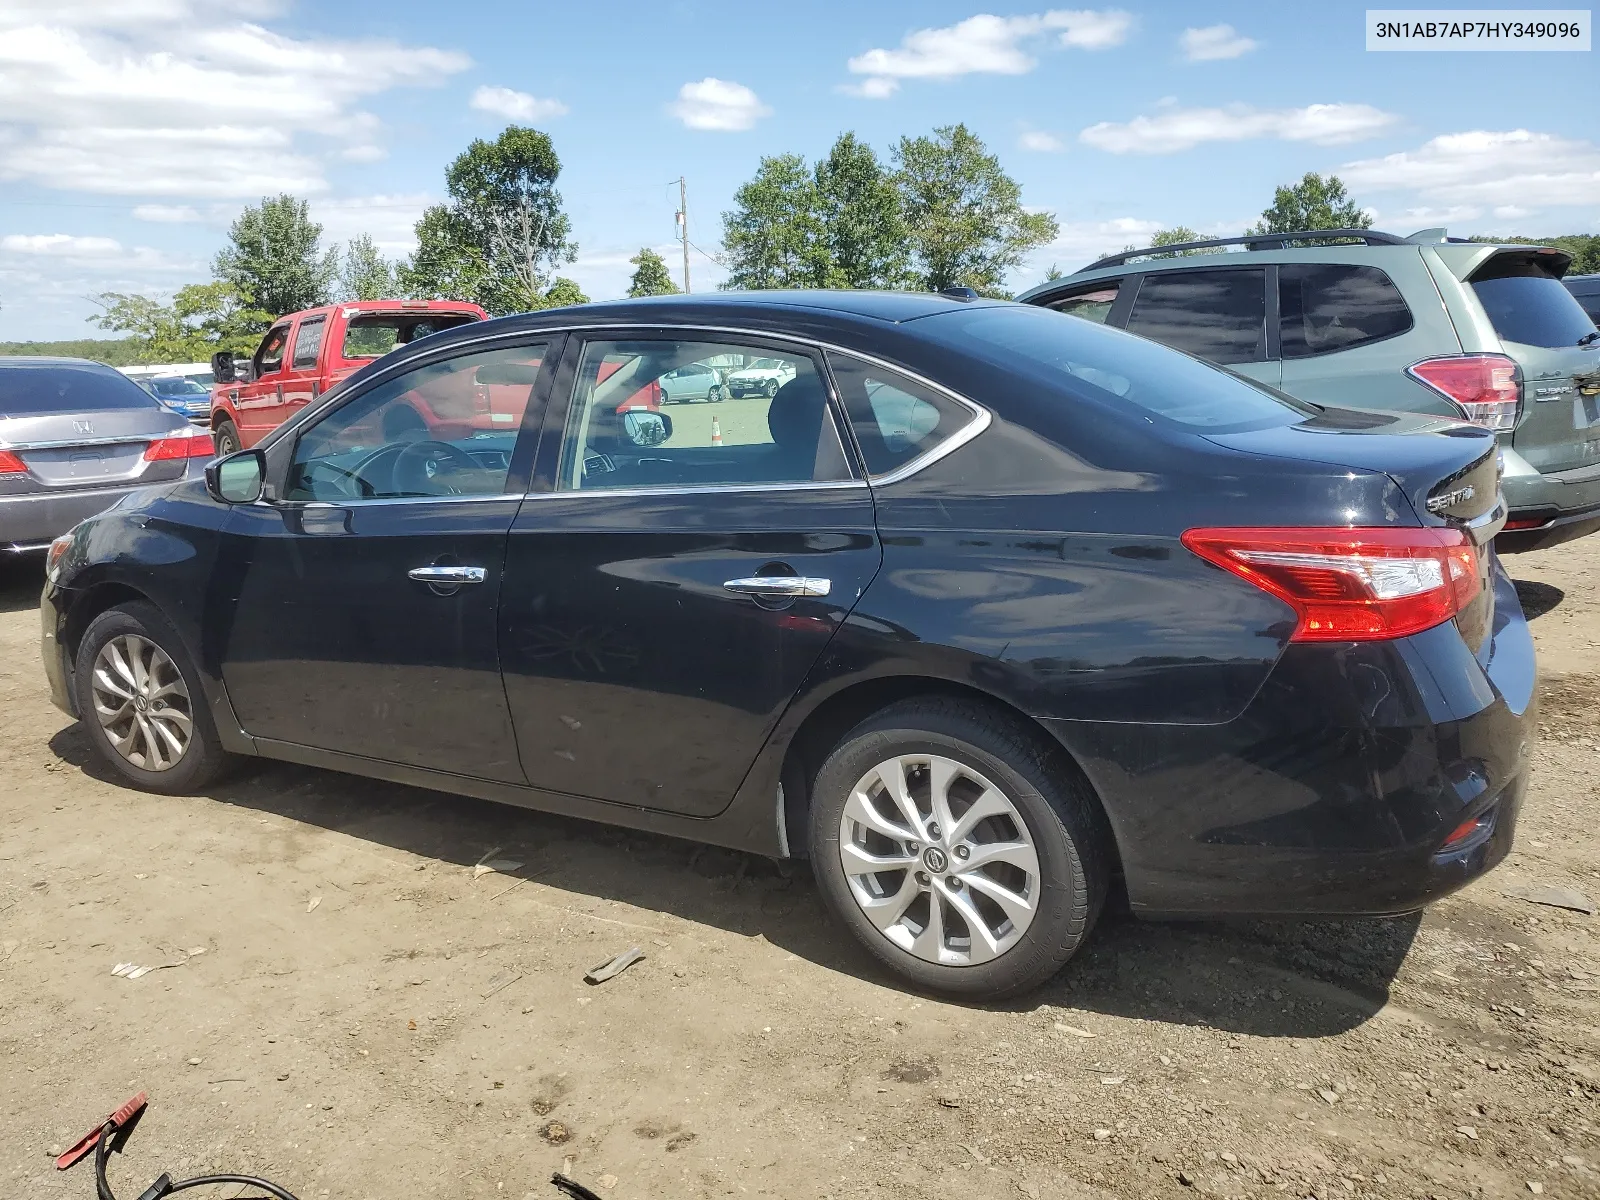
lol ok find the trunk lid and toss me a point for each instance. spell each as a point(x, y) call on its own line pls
point(64, 451)
point(1540, 324)
point(1448, 471)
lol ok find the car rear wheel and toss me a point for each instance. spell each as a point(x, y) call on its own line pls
point(139, 697)
point(959, 856)
point(227, 438)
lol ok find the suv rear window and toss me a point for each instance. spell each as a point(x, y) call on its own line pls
point(1323, 307)
point(375, 336)
point(1111, 368)
point(36, 391)
point(1529, 305)
point(1220, 315)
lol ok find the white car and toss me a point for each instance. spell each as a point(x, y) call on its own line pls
point(761, 378)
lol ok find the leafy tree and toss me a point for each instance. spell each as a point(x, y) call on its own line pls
point(274, 257)
point(503, 232)
point(964, 215)
point(561, 293)
point(1172, 237)
point(775, 236)
point(863, 226)
point(365, 274)
point(1054, 273)
point(202, 319)
point(117, 352)
point(1313, 203)
point(650, 275)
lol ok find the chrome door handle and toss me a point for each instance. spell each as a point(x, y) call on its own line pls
point(780, 585)
point(448, 575)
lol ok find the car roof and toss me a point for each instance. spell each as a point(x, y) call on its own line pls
point(894, 307)
point(42, 360)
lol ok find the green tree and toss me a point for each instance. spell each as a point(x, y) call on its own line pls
point(774, 236)
point(561, 293)
point(503, 232)
point(365, 274)
point(202, 319)
point(863, 226)
point(1172, 237)
point(1313, 203)
point(650, 275)
point(274, 257)
point(964, 214)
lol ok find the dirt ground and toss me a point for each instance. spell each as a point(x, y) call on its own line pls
point(344, 1008)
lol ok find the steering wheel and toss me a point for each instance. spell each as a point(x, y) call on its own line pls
point(419, 465)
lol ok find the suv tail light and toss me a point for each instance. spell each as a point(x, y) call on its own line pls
point(196, 444)
point(1488, 387)
point(1351, 585)
point(10, 464)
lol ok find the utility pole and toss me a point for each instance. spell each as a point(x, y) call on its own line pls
point(683, 227)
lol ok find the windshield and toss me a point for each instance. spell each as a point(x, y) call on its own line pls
point(33, 391)
point(1116, 368)
point(1527, 304)
point(177, 389)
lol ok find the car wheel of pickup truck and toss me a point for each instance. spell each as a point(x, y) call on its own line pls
point(227, 438)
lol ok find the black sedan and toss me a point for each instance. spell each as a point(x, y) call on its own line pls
point(984, 612)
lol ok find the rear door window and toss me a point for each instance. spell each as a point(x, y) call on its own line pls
point(1527, 304)
point(308, 344)
point(1093, 304)
point(1324, 307)
point(1217, 315)
point(896, 419)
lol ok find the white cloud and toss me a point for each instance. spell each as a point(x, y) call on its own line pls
point(1215, 42)
point(718, 104)
point(1079, 243)
point(390, 220)
point(517, 106)
point(984, 44)
point(64, 245)
point(1041, 142)
point(874, 88)
point(1511, 212)
point(166, 214)
point(1182, 128)
point(1484, 168)
point(175, 97)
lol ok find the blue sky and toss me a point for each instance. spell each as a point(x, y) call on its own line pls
point(132, 132)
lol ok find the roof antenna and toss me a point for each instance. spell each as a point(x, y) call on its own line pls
point(959, 293)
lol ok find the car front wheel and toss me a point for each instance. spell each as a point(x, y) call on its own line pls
point(959, 856)
point(227, 438)
point(139, 696)
point(715, 394)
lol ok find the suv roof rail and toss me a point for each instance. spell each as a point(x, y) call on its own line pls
point(1255, 241)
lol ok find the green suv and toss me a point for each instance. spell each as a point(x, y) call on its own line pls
point(1424, 323)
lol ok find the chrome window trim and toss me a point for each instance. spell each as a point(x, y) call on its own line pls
point(980, 422)
point(700, 489)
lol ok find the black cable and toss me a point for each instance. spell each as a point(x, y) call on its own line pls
point(164, 1186)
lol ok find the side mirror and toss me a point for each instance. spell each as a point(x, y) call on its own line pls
point(244, 370)
point(237, 479)
point(222, 366)
point(646, 428)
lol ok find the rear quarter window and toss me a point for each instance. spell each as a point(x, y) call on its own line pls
point(1325, 307)
point(1527, 304)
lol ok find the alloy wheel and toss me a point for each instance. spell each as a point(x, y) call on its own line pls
point(142, 703)
point(939, 860)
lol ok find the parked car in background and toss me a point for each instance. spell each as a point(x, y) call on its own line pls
point(76, 437)
point(1420, 324)
point(692, 383)
point(194, 372)
point(184, 396)
point(761, 378)
point(306, 353)
point(984, 608)
point(1586, 290)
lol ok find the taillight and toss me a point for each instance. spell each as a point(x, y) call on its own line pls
point(10, 464)
point(198, 444)
point(1351, 585)
point(1488, 387)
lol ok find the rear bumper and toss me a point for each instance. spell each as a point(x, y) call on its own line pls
point(1566, 505)
point(29, 522)
point(1334, 792)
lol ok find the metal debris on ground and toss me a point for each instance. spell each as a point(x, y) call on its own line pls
point(490, 865)
point(610, 970)
point(1553, 897)
point(572, 1187)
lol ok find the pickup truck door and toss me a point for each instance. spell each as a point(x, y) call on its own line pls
point(259, 403)
point(302, 377)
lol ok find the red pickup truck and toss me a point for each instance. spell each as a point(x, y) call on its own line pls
point(306, 353)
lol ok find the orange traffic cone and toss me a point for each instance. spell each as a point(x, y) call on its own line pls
point(716, 432)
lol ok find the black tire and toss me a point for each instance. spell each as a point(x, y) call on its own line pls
point(714, 395)
point(1062, 818)
point(227, 438)
point(771, 389)
point(203, 760)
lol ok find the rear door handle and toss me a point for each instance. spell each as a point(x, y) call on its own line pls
point(448, 575)
point(780, 585)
